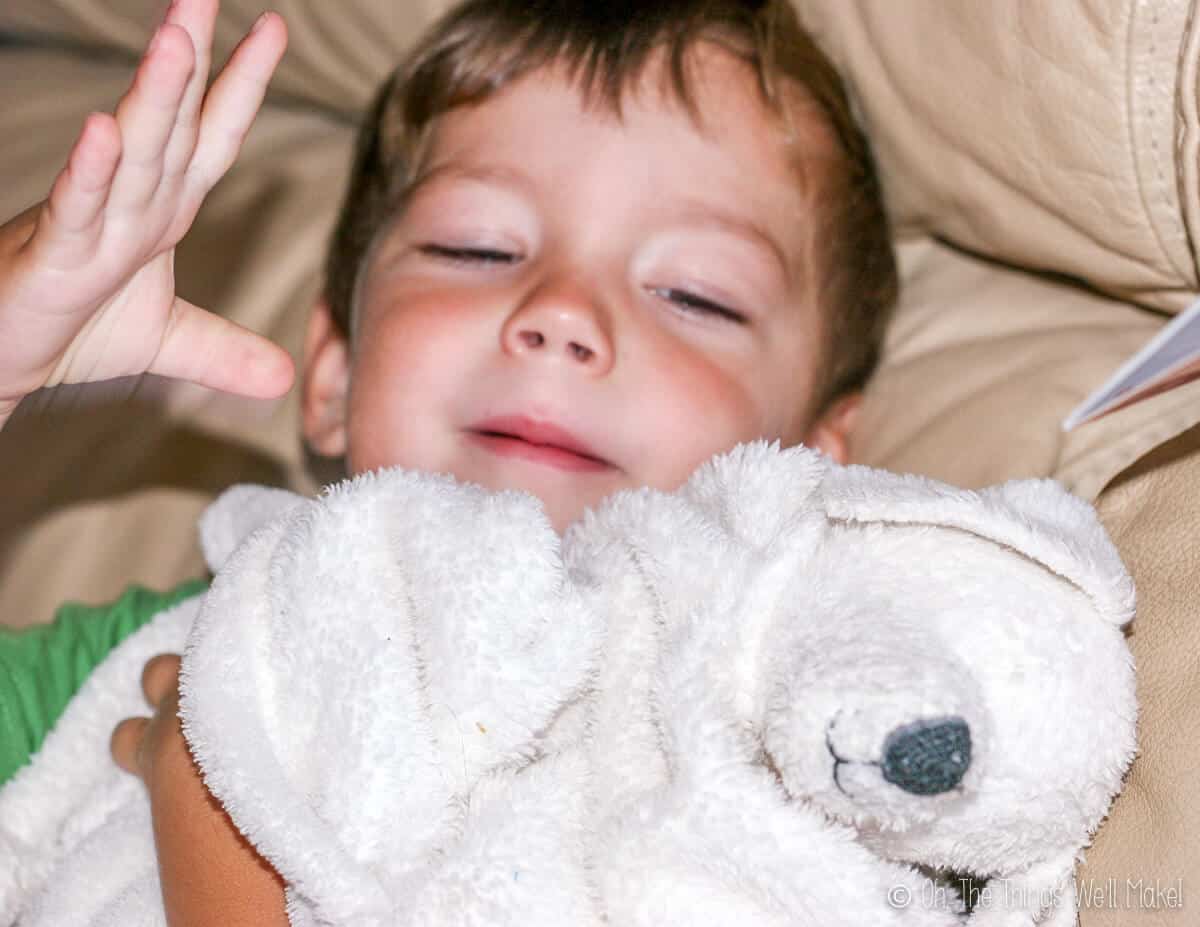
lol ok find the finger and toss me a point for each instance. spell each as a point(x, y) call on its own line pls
point(78, 194)
point(125, 744)
point(220, 354)
point(160, 677)
point(234, 99)
point(197, 18)
point(71, 223)
point(146, 114)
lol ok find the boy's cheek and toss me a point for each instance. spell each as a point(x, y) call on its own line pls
point(684, 431)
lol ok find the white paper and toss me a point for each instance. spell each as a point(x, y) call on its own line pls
point(1170, 359)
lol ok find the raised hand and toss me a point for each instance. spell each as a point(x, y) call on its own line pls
point(87, 277)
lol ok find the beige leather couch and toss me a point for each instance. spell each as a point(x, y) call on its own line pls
point(1042, 161)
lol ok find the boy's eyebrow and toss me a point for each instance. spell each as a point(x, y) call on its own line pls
point(744, 227)
point(484, 173)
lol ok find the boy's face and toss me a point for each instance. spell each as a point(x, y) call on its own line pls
point(640, 289)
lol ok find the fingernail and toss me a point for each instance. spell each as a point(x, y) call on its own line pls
point(258, 23)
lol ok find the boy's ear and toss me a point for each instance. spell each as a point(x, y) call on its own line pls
point(326, 383)
point(834, 428)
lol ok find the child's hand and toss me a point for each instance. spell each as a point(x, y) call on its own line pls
point(87, 284)
point(209, 873)
point(153, 749)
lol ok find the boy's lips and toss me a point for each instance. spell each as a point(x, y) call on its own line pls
point(518, 435)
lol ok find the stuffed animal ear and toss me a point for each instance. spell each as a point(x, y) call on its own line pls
point(236, 514)
point(756, 492)
point(753, 501)
point(1037, 518)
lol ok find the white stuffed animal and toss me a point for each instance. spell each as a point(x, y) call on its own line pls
point(762, 699)
point(942, 670)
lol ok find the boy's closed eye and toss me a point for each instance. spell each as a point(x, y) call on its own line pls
point(699, 304)
point(468, 255)
point(687, 301)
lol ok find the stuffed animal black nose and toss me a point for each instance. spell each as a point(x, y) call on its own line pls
point(929, 756)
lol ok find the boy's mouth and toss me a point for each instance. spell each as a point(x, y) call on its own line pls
point(521, 436)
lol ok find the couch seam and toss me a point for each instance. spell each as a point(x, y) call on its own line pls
point(1187, 170)
point(1157, 191)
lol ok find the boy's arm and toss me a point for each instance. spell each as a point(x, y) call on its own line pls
point(211, 876)
point(87, 277)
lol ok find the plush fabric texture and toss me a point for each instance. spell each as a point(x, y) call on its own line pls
point(701, 707)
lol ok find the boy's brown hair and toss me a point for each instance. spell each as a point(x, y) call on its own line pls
point(481, 45)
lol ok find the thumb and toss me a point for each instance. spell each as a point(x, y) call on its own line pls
point(220, 354)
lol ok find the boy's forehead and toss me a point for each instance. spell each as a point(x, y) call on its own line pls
point(724, 109)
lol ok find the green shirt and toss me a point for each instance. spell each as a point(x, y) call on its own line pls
point(42, 667)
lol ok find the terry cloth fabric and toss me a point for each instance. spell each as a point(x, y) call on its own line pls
point(42, 667)
point(424, 707)
point(293, 655)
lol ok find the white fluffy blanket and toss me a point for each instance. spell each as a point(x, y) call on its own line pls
point(423, 707)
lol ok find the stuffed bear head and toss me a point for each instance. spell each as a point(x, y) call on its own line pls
point(943, 670)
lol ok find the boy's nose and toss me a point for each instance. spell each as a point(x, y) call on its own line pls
point(563, 324)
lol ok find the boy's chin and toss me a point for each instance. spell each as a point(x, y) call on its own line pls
point(562, 506)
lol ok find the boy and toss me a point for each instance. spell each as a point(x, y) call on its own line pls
point(586, 247)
